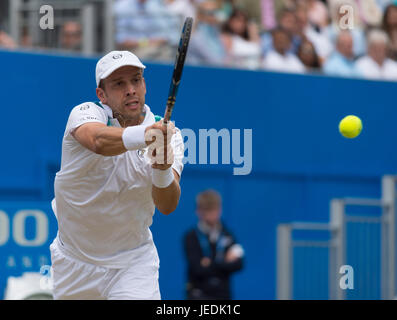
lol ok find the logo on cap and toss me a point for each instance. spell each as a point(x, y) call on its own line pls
point(117, 56)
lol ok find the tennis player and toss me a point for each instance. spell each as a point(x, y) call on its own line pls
point(108, 186)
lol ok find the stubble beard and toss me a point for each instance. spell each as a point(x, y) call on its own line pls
point(126, 119)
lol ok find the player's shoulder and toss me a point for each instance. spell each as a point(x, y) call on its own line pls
point(88, 109)
point(87, 112)
point(89, 105)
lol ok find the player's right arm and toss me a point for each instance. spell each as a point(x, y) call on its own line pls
point(101, 139)
point(88, 125)
point(111, 141)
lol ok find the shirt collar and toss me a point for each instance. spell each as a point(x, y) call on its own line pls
point(149, 116)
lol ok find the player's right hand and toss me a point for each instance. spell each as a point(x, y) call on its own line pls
point(159, 129)
point(158, 138)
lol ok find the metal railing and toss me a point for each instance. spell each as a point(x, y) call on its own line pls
point(95, 17)
point(292, 252)
point(366, 241)
point(100, 25)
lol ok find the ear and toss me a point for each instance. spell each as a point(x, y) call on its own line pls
point(101, 95)
point(144, 84)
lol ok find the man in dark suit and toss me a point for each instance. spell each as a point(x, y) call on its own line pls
point(211, 250)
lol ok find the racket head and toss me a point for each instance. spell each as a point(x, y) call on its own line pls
point(182, 49)
point(178, 66)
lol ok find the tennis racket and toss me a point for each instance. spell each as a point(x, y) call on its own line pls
point(178, 68)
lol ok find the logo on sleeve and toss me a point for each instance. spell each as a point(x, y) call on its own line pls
point(141, 153)
point(117, 56)
point(85, 107)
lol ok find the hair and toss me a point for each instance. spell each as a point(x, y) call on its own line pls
point(316, 63)
point(386, 13)
point(281, 30)
point(377, 36)
point(208, 199)
point(341, 33)
point(236, 12)
point(101, 84)
point(286, 11)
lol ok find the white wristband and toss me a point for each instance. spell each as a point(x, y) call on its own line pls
point(162, 178)
point(134, 137)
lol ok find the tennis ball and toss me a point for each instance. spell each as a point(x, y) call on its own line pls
point(350, 126)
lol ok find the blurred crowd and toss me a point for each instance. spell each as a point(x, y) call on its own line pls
point(351, 38)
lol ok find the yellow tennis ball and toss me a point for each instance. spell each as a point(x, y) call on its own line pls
point(350, 126)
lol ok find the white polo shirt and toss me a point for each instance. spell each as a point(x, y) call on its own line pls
point(371, 70)
point(104, 205)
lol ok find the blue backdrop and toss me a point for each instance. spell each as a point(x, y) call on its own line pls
point(300, 161)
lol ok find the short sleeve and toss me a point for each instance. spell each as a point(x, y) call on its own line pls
point(85, 113)
point(179, 150)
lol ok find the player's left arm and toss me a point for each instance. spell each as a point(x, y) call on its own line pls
point(166, 199)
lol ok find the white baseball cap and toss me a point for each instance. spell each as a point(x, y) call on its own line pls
point(113, 61)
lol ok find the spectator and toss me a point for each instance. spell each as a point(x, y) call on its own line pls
point(241, 40)
point(71, 36)
point(333, 29)
point(341, 62)
point(317, 13)
point(181, 8)
point(26, 39)
point(390, 26)
point(6, 41)
point(206, 46)
point(288, 22)
point(147, 28)
point(281, 59)
point(376, 65)
point(370, 12)
point(251, 7)
point(318, 37)
point(225, 10)
point(308, 56)
point(212, 252)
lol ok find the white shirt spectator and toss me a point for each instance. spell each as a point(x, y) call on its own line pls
point(321, 42)
point(372, 70)
point(245, 53)
point(284, 63)
point(142, 20)
point(181, 8)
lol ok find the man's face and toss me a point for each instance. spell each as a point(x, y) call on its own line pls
point(378, 51)
point(206, 12)
point(392, 17)
point(210, 216)
point(238, 24)
point(71, 35)
point(281, 42)
point(288, 22)
point(124, 91)
point(345, 45)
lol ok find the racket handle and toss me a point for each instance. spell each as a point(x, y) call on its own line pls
point(169, 108)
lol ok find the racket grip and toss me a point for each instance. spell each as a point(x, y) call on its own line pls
point(169, 108)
